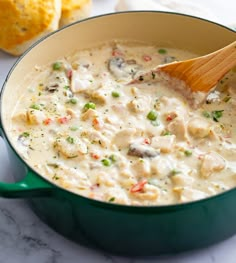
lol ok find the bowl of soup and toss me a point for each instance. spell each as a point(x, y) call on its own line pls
point(129, 168)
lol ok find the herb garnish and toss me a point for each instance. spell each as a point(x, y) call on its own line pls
point(217, 114)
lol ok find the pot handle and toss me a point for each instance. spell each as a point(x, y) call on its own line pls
point(31, 186)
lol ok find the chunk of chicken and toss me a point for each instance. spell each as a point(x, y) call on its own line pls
point(138, 105)
point(161, 166)
point(199, 127)
point(89, 114)
point(186, 194)
point(178, 128)
point(149, 193)
point(173, 107)
point(181, 179)
point(164, 143)
point(35, 116)
point(81, 80)
point(105, 179)
point(212, 162)
point(70, 147)
point(96, 137)
point(20, 116)
point(123, 138)
point(100, 95)
point(141, 167)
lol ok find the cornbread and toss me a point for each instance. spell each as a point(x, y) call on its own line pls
point(73, 10)
point(23, 22)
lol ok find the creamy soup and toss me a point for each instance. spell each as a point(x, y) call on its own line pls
point(81, 126)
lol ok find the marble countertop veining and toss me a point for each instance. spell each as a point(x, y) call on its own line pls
point(25, 239)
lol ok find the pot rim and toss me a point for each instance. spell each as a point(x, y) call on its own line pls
point(136, 208)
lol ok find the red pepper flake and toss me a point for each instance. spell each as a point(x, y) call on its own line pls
point(117, 53)
point(147, 58)
point(147, 141)
point(47, 121)
point(63, 120)
point(139, 186)
point(95, 156)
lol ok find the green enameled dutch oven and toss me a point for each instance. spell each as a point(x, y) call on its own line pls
point(120, 229)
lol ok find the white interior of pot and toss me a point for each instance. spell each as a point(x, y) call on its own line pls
point(162, 29)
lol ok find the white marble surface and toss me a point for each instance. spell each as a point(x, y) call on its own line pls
point(25, 239)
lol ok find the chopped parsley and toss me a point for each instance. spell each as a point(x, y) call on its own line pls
point(206, 114)
point(35, 107)
point(25, 134)
point(112, 199)
point(217, 114)
point(71, 140)
point(166, 133)
point(226, 99)
point(73, 128)
point(162, 51)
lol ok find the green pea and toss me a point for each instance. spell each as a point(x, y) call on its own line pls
point(188, 153)
point(56, 66)
point(90, 105)
point(73, 101)
point(152, 115)
point(115, 94)
point(106, 162)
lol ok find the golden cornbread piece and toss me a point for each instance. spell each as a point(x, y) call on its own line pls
point(22, 22)
point(73, 10)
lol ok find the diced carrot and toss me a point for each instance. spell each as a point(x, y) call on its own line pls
point(95, 156)
point(63, 120)
point(47, 121)
point(97, 123)
point(139, 186)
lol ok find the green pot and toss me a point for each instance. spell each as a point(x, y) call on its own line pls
point(126, 230)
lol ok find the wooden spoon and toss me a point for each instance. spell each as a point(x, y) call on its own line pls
point(197, 76)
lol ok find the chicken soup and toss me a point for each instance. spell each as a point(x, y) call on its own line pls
point(82, 126)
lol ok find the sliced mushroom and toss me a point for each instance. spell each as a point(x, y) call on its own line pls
point(122, 69)
point(169, 59)
point(142, 151)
